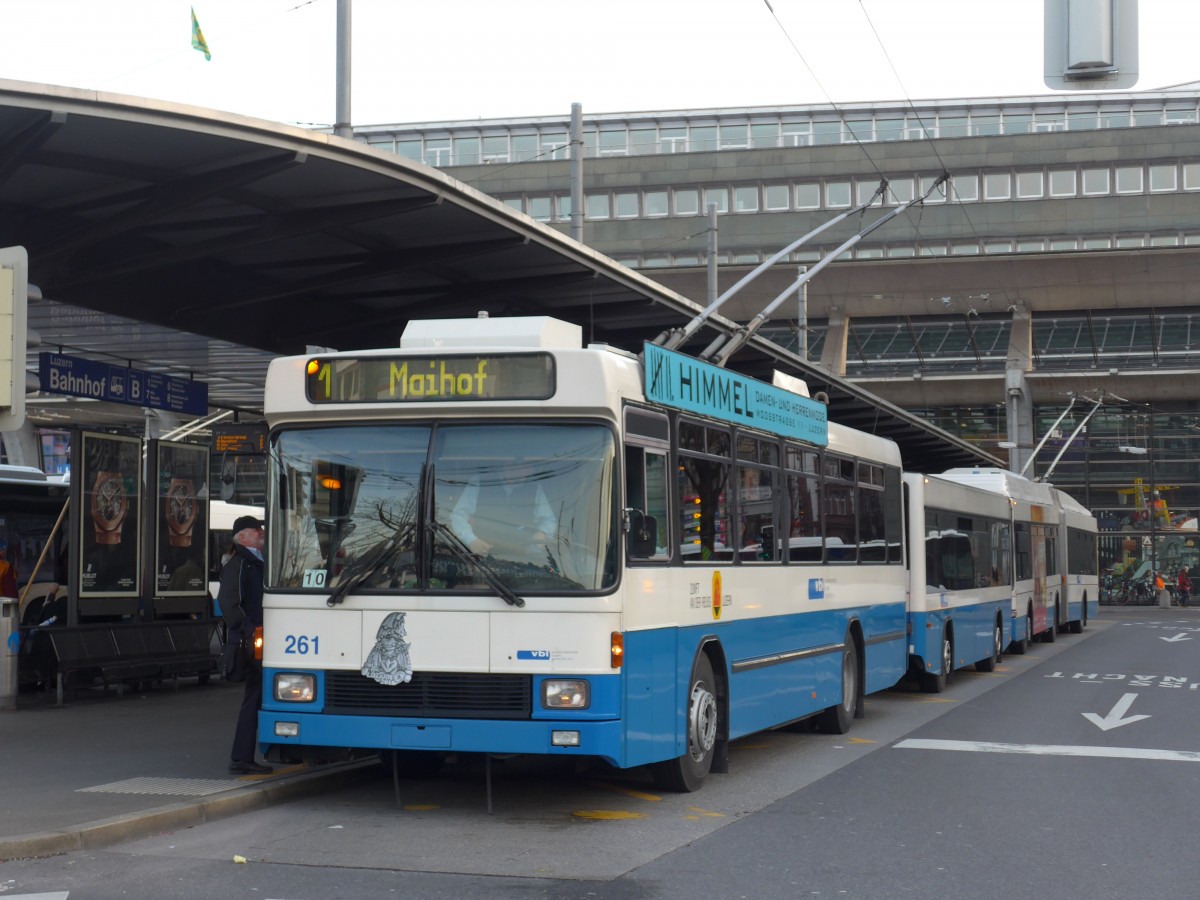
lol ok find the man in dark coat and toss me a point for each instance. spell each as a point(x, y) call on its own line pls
point(242, 588)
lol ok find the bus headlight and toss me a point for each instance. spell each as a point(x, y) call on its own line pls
point(293, 687)
point(565, 694)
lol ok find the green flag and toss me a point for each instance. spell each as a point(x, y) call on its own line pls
point(198, 42)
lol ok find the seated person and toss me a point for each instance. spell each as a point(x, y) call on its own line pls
point(504, 514)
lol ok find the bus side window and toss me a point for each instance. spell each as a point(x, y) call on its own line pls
point(646, 501)
point(703, 489)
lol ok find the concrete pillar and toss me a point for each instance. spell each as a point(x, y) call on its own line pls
point(23, 447)
point(1018, 396)
point(833, 354)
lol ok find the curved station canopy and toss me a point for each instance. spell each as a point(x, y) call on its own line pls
point(199, 244)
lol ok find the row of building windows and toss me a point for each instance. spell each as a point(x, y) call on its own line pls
point(836, 194)
point(977, 344)
point(800, 128)
point(979, 247)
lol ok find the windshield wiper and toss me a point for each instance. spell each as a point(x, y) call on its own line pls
point(366, 566)
point(463, 552)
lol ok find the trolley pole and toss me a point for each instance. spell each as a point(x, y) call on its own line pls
point(577, 171)
point(341, 125)
point(711, 260)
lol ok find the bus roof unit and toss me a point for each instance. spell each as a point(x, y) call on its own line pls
point(541, 332)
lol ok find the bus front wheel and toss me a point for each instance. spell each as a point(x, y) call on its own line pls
point(687, 772)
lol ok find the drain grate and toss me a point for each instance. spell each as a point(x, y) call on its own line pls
point(183, 787)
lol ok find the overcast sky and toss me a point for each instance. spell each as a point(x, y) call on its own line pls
point(466, 59)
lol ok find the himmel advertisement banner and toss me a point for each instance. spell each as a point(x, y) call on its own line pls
point(676, 380)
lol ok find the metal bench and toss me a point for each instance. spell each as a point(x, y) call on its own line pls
point(126, 652)
point(193, 653)
point(90, 650)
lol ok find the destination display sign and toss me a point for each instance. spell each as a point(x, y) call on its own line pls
point(78, 377)
point(430, 379)
point(682, 382)
point(238, 439)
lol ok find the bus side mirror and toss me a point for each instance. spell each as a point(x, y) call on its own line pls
point(640, 532)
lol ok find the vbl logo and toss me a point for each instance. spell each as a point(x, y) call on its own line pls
point(816, 589)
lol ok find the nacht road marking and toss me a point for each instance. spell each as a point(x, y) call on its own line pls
point(1052, 750)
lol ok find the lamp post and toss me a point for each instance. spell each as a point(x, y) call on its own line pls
point(1153, 495)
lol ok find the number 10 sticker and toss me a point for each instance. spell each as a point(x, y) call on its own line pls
point(314, 578)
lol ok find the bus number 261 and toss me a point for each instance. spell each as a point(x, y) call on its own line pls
point(300, 644)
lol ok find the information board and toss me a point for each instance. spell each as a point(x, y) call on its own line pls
point(78, 377)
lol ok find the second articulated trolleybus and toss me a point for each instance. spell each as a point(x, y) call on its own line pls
point(995, 561)
point(496, 540)
point(1055, 570)
point(961, 576)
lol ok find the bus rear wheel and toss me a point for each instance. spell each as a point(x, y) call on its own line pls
point(989, 664)
point(1076, 626)
point(837, 719)
point(687, 772)
point(1020, 645)
point(935, 683)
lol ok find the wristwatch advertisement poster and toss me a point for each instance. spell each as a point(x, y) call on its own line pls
point(181, 520)
point(109, 524)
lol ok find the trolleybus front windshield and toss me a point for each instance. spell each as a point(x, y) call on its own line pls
point(394, 506)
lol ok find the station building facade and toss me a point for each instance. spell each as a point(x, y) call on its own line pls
point(1043, 301)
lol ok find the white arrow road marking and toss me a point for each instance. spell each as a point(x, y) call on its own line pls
point(1172, 640)
point(1051, 750)
point(1113, 719)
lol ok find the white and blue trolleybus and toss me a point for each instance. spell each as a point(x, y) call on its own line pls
point(497, 540)
point(961, 576)
point(1055, 580)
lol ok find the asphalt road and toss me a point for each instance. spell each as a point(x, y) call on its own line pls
point(1068, 773)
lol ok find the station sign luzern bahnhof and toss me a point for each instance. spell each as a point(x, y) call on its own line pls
point(78, 377)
